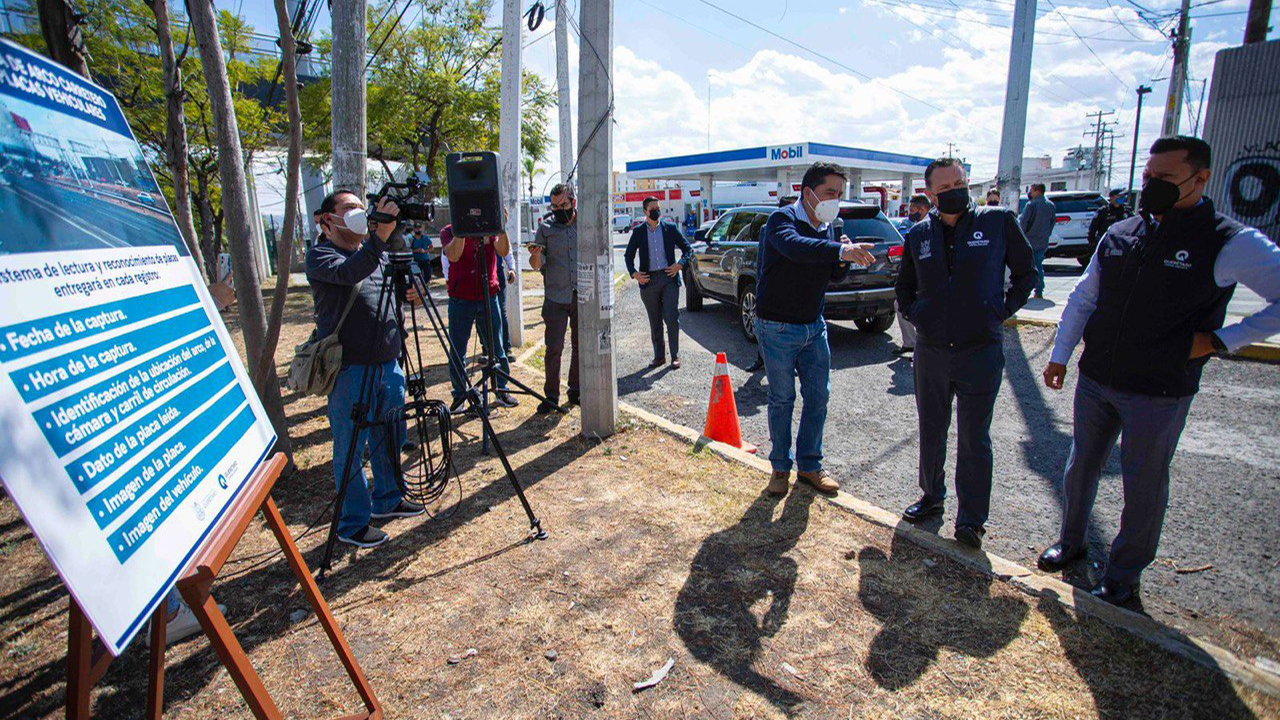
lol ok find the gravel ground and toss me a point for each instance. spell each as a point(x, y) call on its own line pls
point(1225, 495)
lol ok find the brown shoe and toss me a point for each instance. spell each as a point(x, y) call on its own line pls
point(779, 483)
point(821, 481)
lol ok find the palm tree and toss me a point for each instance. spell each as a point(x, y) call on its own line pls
point(531, 170)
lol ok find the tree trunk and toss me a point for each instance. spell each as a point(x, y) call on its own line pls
point(175, 135)
point(235, 207)
point(208, 227)
point(61, 36)
point(293, 172)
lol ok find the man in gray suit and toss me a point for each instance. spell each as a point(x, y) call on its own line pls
point(1037, 221)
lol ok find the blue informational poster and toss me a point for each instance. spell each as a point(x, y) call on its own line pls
point(127, 422)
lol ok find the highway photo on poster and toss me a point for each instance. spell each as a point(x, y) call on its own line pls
point(87, 187)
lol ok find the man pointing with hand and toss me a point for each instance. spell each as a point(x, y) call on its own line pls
point(800, 253)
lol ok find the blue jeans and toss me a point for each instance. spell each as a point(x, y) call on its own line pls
point(791, 349)
point(1037, 257)
point(388, 399)
point(502, 314)
point(462, 315)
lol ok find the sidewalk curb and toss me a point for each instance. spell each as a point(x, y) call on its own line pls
point(1034, 584)
point(1265, 351)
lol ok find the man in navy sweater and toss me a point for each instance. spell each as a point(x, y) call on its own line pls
point(799, 255)
point(951, 288)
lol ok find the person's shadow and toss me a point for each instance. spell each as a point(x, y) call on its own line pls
point(734, 569)
point(912, 600)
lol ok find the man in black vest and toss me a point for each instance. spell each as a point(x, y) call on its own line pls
point(951, 288)
point(1150, 309)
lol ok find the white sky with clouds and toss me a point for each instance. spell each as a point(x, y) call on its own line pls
point(949, 56)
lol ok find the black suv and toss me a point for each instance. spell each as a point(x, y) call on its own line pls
point(723, 267)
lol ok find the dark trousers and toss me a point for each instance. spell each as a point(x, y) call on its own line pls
point(1150, 428)
point(661, 300)
point(502, 309)
point(557, 317)
point(972, 376)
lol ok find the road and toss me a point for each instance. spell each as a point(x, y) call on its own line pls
point(32, 212)
point(1226, 475)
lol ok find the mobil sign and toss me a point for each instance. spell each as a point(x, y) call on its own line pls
point(788, 153)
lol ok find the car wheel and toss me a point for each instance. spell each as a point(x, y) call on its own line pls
point(692, 295)
point(747, 311)
point(874, 324)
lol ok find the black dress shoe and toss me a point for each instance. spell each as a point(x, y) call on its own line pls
point(657, 362)
point(921, 509)
point(548, 406)
point(1114, 592)
point(970, 535)
point(1058, 557)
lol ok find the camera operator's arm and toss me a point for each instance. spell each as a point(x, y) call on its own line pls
point(326, 264)
point(383, 230)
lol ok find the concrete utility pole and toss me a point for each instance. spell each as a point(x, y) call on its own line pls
point(1255, 29)
point(1178, 78)
point(595, 253)
point(1017, 89)
point(1099, 129)
point(347, 95)
point(60, 26)
point(562, 90)
point(1133, 159)
point(509, 157)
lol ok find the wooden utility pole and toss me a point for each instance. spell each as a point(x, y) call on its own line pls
point(1016, 94)
point(175, 134)
point(347, 95)
point(60, 25)
point(509, 157)
point(235, 208)
point(595, 251)
point(1258, 23)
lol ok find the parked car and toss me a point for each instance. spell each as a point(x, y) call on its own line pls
point(622, 223)
point(146, 198)
point(901, 224)
point(1075, 210)
point(723, 267)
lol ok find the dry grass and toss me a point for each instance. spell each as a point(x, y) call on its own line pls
point(655, 553)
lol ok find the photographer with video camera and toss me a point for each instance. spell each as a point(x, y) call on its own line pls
point(346, 270)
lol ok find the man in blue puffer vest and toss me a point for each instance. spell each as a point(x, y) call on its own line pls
point(951, 287)
point(1150, 308)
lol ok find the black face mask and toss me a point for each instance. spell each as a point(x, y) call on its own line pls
point(654, 214)
point(562, 216)
point(915, 217)
point(953, 201)
point(1158, 196)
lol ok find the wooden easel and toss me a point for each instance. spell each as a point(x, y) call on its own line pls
point(87, 660)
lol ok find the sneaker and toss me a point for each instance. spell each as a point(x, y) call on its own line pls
point(458, 401)
point(547, 406)
point(365, 537)
point(184, 624)
point(403, 509)
point(573, 399)
point(505, 399)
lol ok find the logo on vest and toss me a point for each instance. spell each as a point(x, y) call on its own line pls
point(977, 240)
point(926, 251)
point(1179, 261)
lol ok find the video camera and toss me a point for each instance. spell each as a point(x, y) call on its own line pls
point(408, 191)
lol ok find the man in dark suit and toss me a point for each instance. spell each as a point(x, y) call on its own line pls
point(656, 240)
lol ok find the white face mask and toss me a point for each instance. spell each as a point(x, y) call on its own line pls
point(356, 220)
point(826, 210)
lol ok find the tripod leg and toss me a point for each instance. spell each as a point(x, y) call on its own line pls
point(535, 525)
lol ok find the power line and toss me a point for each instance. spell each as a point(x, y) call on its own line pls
point(1090, 49)
point(917, 4)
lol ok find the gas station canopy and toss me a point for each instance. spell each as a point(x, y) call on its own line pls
point(780, 163)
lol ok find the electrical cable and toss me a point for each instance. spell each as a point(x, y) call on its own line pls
point(1090, 49)
point(408, 4)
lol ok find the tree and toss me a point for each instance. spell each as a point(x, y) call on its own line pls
point(284, 242)
point(235, 205)
point(59, 25)
point(529, 165)
point(175, 145)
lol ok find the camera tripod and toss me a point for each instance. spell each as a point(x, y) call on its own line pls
point(491, 373)
point(398, 278)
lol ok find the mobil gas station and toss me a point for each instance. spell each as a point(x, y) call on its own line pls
point(702, 184)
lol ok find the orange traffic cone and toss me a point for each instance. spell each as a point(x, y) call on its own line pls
point(722, 411)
